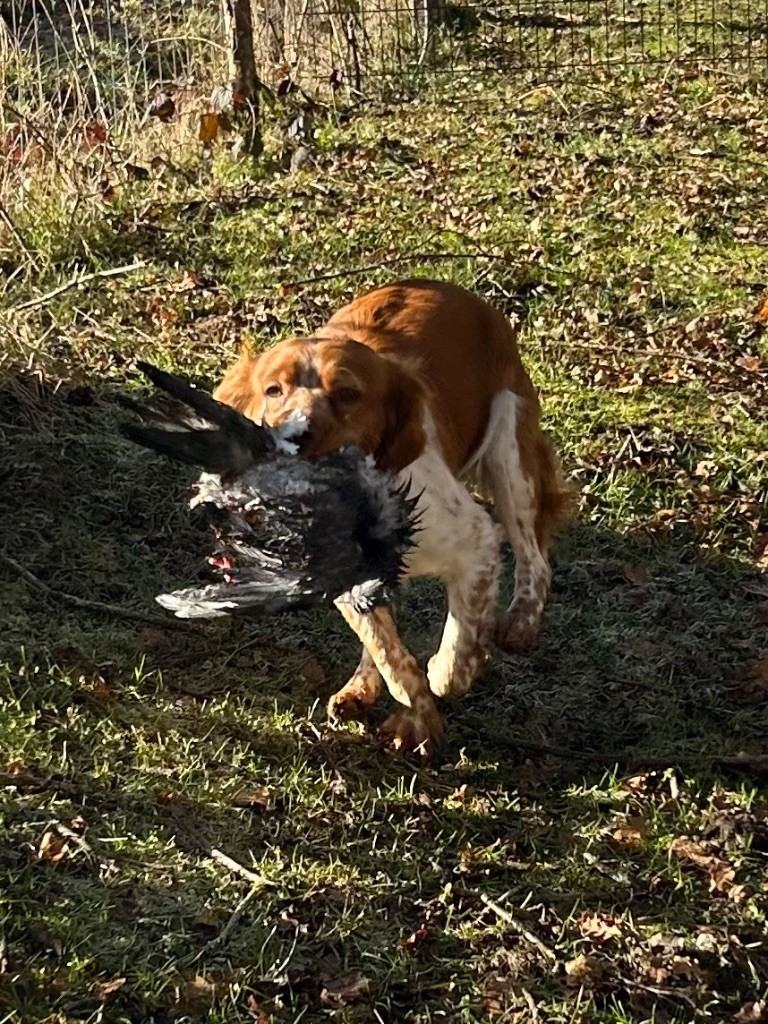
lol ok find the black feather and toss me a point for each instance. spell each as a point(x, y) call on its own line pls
point(290, 532)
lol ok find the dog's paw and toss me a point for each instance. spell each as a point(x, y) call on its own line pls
point(518, 630)
point(417, 731)
point(353, 701)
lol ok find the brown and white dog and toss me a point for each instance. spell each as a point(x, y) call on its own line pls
point(428, 379)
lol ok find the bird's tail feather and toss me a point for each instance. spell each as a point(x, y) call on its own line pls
point(268, 594)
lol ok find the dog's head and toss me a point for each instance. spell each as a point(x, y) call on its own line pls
point(348, 393)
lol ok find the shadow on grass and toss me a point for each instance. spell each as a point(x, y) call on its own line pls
point(372, 865)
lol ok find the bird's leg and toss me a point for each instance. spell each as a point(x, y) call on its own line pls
point(416, 726)
point(352, 701)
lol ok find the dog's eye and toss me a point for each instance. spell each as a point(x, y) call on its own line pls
point(347, 395)
point(273, 391)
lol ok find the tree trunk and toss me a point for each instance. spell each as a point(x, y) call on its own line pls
point(239, 23)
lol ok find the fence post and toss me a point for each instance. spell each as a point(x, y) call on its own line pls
point(239, 23)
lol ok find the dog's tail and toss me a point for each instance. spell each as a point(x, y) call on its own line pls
point(558, 498)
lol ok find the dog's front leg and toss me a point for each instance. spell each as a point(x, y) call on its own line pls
point(417, 726)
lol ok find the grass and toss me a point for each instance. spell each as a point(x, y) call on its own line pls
point(582, 850)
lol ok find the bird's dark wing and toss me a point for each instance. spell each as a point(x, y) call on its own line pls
point(216, 437)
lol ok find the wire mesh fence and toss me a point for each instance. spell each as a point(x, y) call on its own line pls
point(111, 56)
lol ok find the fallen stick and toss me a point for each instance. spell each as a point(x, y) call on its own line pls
point(84, 602)
point(41, 300)
point(520, 928)
point(230, 926)
point(10, 224)
point(198, 841)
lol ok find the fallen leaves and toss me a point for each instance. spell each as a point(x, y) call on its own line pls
point(416, 938)
point(586, 971)
point(753, 364)
point(600, 928)
point(255, 798)
point(103, 989)
point(345, 991)
point(721, 873)
point(209, 128)
point(53, 848)
point(197, 995)
point(752, 1013)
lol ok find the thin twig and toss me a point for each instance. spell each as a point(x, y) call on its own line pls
point(533, 1008)
point(203, 846)
point(518, 926)
point(78, 279)
point(225, 861)
point(6, 218)
point(664, 993)
point(231, 924)
point(84, 602)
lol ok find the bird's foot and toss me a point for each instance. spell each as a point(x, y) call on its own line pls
point(355, 699)
point(416, 729)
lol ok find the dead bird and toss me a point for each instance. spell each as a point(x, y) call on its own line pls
point(290, 533)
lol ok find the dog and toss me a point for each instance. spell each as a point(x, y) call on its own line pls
point(428, 379)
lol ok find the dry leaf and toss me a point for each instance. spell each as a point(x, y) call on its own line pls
point(585, 971)
point(188, 281)
point(344, 991)
point(209, 128)
point(635, 574)
point(600, 928)
point(257, 798)
point(256, 1011)
point(750, 363)
point(637, 783)
point(95, 134)
point(761, 551)
point(416, 938)
point(198, 995)
point(102, 989)
point(687, 849)
point(53, 848)
point(752, 1013)
point(627, 836)
point(721, 873)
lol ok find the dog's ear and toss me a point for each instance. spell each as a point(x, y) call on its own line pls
point(404, 406)
point(239, 386)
